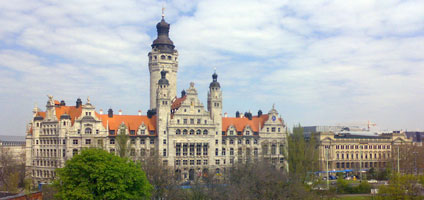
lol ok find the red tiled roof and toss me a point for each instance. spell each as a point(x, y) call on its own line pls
point(177, 103)
point(241, 123)
point(131, 121)
point(60, 110)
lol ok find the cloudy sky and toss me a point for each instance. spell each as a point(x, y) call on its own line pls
point(320, 62)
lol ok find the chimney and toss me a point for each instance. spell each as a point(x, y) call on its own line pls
point(259, 113)
point(139, 112)
point(183, 93)
point(62, 103)
point(78, 103)
point(101, 111)
point(225, 114)
point(120, 112)
point(237, 114)
point(110, 113)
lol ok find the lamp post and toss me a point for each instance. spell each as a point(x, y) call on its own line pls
point(328, 181)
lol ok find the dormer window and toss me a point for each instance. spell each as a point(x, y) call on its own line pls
point(273, 129)
point(247, 132)
point(87, 131)
point(231, 132)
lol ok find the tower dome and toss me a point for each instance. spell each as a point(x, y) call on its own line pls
point(214, 82)
point(163, 80)
point(163, 42)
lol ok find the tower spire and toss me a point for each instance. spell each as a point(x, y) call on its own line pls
point(163, 12)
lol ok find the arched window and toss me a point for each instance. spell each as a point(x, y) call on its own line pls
point(162, 57)
point(191, 132)
point(88, 131)
point(169, 58)
point(205, 132)
point(178, 132)
point(239, 141)
point(185, 132)
point(198, 132)
point(247, 141)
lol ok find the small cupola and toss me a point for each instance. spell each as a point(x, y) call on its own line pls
point(214, 83)
point(163, 81)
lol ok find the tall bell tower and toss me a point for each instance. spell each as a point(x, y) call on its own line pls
point(163, 56)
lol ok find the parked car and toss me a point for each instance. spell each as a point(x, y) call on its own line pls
point(372, 181)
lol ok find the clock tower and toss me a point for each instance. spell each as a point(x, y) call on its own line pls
point(163, 56)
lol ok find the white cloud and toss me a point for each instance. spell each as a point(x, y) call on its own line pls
point(321, 62)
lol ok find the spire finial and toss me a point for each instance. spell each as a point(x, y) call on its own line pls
point(88, 99)
point(214, 70)
point(163, 11)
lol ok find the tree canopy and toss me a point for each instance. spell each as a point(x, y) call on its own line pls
point(97, 174)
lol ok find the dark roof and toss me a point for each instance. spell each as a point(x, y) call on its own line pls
point(416, 136)
point(163, 42)
point(361, 136)
point(214, 82)
point(88, 118)
point(12, 140)
point(65, 116)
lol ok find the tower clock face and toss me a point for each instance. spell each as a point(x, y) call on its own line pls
point(274, 118)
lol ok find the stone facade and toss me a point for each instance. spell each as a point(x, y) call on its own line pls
point(357, 151)
point(188, 137)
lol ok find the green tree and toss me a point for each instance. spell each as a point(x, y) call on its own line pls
point(97, 174)
point(302, 154)
point(122, 141)
point(401, 187)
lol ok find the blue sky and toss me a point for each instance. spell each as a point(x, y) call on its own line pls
point(320, 62)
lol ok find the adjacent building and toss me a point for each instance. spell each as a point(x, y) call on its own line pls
point(356, 150)
point(191, 138)
point(13, 146)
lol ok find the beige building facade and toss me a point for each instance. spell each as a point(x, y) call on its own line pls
point(357, 151)
point(191, 138)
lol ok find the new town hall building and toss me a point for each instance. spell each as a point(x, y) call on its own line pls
point(189, 137)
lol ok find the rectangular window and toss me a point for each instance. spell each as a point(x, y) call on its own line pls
point(142, 152)
point(142, 141)
point(178, 150)
point(152, 141)
point(205, 162)
point(100, 142)
point(97, 131)
point(191, 149)
point(191, 162)
point(132, 153)
point(178, 162)
point(185, 162)
point(191, 121)
point(112, 141)
point(75, 142)
point(164, 141)
point(199, 149)
point(217, 162)
point(185, 121)
point(216, 152)
point(205, 149)
point(273, 129)
point(87, 141)
point(223, 151)
point(198, 162)
point(198, 121)
point(132, 141)
point(185, 146)
point(216, 141)
point(164, 152)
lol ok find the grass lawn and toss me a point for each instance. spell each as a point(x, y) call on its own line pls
point(353, 197)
